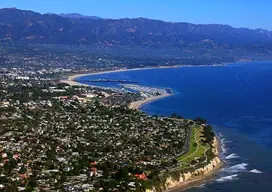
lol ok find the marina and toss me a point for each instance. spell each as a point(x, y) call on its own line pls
point(108, 81)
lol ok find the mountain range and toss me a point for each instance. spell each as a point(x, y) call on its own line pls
point(77, 16)
point(75, 29)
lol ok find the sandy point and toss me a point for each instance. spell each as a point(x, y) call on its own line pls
point(138, 104)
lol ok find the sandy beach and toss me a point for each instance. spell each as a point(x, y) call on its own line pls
point(138, 104)
point(75, 76)
point(73, 83)
point(71, 79)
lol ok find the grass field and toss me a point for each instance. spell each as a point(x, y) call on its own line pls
point(196, 148)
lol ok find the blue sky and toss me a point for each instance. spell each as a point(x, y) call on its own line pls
point(237, 13)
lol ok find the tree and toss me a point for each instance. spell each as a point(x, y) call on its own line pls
point(122, 174)
point(200, 120)
point(96, 103)
point(208, 134)
point(109, 185)
point(193, 162)
point(174, 115)
point(191, 123)
point(175, 161)
point(33, 180)
point(22, 170)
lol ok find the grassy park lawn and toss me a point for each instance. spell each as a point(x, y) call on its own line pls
point(196, 147)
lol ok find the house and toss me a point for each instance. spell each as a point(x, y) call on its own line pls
point(4, 104)
point(79, 99)
point(63, 97)
point(2, 186)
point(93, 163)
point(93, 171)
point(141, 176)
point(23, 176)
point(4, 155)
point(89, 95)
point(15, 156)
point(132, 184)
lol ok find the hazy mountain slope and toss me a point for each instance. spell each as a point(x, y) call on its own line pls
point(49, 28)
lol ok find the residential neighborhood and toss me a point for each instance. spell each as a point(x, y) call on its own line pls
point(56, 136)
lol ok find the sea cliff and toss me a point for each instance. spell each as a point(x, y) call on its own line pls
point(190, 178)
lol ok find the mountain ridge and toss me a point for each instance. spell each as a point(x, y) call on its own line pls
point(52, 28)
point(77, 16)
point(137, 38)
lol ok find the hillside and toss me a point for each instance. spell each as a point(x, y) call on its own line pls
point(51, 28)
point(180, 39)
point(77, 16)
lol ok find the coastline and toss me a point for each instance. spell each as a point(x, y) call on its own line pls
point(195, 182)
point(138, 104)
point(214, 166)
point(73, 83)
point(183, 185)
point(71, 79)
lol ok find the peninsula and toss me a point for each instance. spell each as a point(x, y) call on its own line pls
point(58, 133)
point(200, 159)
point(63, 135)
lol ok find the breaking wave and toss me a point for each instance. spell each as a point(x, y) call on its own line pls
point(227, 178)
point(201, 186)
point(236, 168)
point(223, 146)
point(255, 171)
point(232, 156)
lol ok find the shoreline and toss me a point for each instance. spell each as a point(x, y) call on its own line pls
point(203, 178)
point(196, 182)
point(71, 78)
point(136, 105)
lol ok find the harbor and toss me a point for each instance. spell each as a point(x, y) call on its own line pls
point(108, 81)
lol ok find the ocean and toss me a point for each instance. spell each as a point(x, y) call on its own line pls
point(236, 99)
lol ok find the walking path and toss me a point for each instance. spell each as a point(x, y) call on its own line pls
point(196, 148)
point(197, 140)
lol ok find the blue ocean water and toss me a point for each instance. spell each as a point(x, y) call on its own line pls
point(237, 100)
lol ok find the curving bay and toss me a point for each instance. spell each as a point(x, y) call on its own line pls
point(236, 99)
